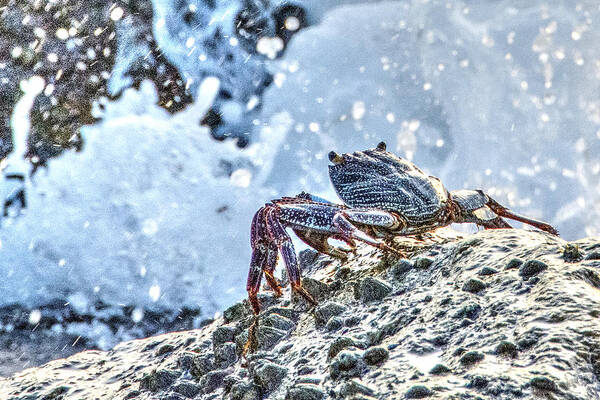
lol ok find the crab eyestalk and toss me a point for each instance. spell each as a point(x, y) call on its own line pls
point(335, 158)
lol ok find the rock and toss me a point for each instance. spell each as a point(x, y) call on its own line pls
point(375, 347)
point(212, 380)
point(158, 380)
point(473, 286)
point(486, 271)
point(269, 375)
point(348, 364)
point(338, 345)
point(376, 355)
point(423, 262)
point(543, 383)
point(325, 311)
point(226, 355)
point(235, 312)
point(268, 337)
point(334, 324)
point(224, 334)
point(188, 389)
point(418, 392)
point(244, 391)
point(514, 264)
point(354, 387)
point(305, 392)
point(372, 289)
point(506, 348)
point(401, 267)
point(202, 364)
point(532, 268)
point(594, 255)
point(439, 369)
point(471, 357)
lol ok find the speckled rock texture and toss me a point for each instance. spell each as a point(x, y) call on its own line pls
point(498, 314)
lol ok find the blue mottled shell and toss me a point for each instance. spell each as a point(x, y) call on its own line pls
point(379, 179)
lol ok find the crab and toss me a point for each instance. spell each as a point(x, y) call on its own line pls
point(383, 195)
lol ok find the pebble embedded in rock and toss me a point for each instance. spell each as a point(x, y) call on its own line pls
point(486, 271)
point(423, 262)
point(354, 387)
point(418, 392)
point(244, 391)
point(347, 363)
point(338, 345)
point(401, 267)
point(543, 383)
point(158, 380)
point(268, 337)
point(514, 264)
point(471, 357)
point(269, 375)
point(478, 382)
point(439, 369)
point(325, 311)
point(305, 391)
point(235, 312)
point(188, 389)
point(473, 286)
point(372, 289)
point(595, 255)
point(376, 355)
point(506, 348)
point(201, 365)
point(164, 349)
point(532, 268)
point(334, 324)
point(470, 310)
point(213, 380)
point(571, 253)
point(226, 355)
point(277, 321)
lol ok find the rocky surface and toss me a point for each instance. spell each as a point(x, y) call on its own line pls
point(498, 314)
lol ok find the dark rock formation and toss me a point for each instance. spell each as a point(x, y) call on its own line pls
point(527, 331)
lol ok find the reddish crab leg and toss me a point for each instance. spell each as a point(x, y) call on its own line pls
point(341, 220)
point(505, 212)
point(286, 248)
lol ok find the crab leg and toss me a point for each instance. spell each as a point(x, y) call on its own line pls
point(286, 248)
point(505, 212)
point(342, 221)
point(260, 255)
point(318, 241)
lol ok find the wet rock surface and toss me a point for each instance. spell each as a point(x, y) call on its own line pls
point(532, 331)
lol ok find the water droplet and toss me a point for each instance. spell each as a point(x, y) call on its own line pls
point(154, 292)
point(149, 227)
point(35, 316)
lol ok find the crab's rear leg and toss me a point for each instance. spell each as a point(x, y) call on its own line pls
point(477, 207)
point(506, 213)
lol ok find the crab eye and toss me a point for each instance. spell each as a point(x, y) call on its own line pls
point(381, 146)
point(335, 157)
